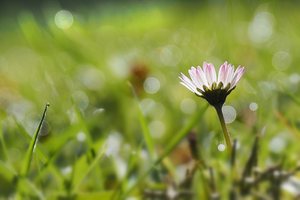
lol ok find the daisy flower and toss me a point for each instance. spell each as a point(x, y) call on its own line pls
point(205, 82)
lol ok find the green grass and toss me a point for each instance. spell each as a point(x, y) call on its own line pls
point(84, 71)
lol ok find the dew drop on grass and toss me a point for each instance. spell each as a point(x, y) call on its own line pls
point(229, 114)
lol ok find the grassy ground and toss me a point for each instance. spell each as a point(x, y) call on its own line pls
point(99, 137)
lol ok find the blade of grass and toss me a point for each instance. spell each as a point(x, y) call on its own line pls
point(26, 188)
point(30, 150)
point(133, 159)
point(90, 168)
point(173, 143)
point(144, 125)
point(28, 138)
point(7, 172)
point(291, 96)
point(282, 119)
point(3, 145)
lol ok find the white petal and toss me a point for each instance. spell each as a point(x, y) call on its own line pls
point(188, 83)
point(229, 74)
point(187, 86)
point(222, 73)
point(213, 73)
point(210, 73)
point(196, 80)
point(237, 76)
point(201, 74)
point(191, 89)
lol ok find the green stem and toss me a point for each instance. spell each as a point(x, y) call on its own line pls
point(3, 146)
point(224, 128)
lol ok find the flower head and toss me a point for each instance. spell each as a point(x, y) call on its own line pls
point(205, 83)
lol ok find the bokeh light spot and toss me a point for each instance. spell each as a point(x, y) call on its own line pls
point(63, 19)
point(151, 85)
point(221, 147)
point(147, 105)
point(91, 78)
point(157, 128)
point(281, 60)
point(170, 55)
point(229, 114)
point(253, 106)
point(277, 144)
point(81, 99)
point(113, 144)
point(294, 78)
point(66, 170)
point(261, 28)
point(188, 106)
point(81, 136)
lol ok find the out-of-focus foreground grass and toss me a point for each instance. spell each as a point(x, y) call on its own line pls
point(84, 63)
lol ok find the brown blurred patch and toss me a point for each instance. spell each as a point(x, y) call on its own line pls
point(248, 117)
point(138, 74)
point(181, 154)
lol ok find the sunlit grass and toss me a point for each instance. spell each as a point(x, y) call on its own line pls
point(102, 141)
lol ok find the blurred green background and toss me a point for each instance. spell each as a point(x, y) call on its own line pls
point(82, 57)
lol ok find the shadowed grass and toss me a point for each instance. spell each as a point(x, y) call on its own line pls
point(170, 146)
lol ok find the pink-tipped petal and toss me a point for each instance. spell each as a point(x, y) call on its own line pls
point(206, 76)
point(191, 89)
point(187, 83)
point(229, 74)
point(237, 76)
point(213, 73)
point(210, 73)
point(202, 76)
point(193, 74)
point(199, 78)
point(222, 72)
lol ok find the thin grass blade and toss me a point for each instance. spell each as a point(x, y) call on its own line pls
point(145, 128)
point(30, 150)
point(174, 142)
